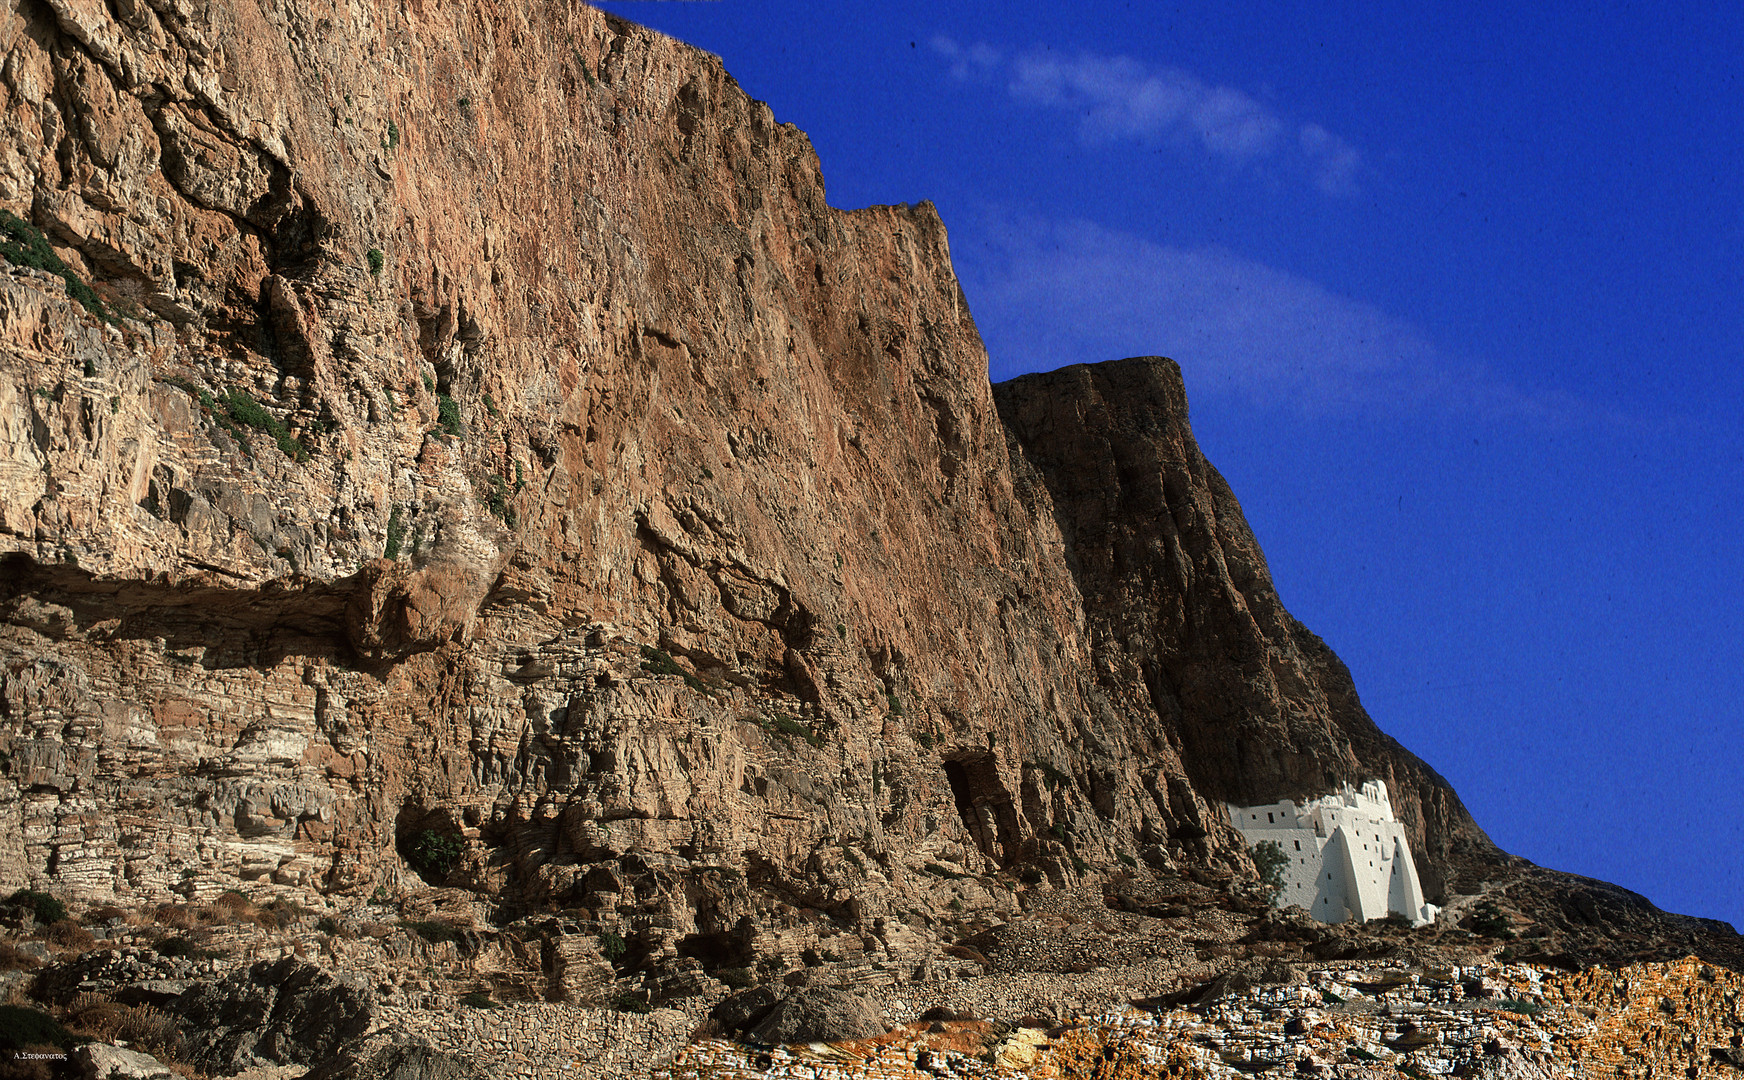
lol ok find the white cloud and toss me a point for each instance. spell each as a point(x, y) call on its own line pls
point(1049, 294)
point(1120, 98)
point(975, 63)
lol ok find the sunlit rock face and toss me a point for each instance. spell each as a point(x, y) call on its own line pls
point(1346, 856)
point(491, 443)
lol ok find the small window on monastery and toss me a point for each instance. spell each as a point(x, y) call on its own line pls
point(1270, 820)
point(1298, 845)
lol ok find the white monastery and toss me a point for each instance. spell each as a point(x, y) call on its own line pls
point(1348, 855)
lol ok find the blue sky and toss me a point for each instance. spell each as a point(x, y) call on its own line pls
point(1457, 293)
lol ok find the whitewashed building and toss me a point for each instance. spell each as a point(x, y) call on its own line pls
point(1348, 857)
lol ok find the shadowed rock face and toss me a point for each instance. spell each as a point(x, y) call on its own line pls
point(511, 474)
point(1182, 616)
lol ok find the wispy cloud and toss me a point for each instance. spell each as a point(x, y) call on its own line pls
point(1120, 98)
point(1048, 294)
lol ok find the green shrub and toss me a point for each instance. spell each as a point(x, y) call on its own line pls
point(434, 854)
point(736, 978)
point(327, 924)
point(478, 999)
point(1524, 1008)
point(631, 1003)
point(448, 416)
point(22, 245)
point(895, 703)
point(241, 408)
point(396, 535)
point(1126, 859)
point(490, 406)
point(376, 260)
point(497, 500)
point(842, 631)
point(613, 947)
point(782, 724)
point(659, 662)
point(392, 141)
point(45, 908)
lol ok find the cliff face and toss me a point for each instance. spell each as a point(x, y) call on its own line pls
point(483, 429)
point(1183, 621)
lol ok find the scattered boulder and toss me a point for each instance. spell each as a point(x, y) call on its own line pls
point(278, 1012)
point(819, 1014)
point(736, 1012)
point(100, 1061)
point(397, 1056)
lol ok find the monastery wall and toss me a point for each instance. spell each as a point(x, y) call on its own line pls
point(1349, 857)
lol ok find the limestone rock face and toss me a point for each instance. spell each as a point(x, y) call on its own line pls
point(488, 463)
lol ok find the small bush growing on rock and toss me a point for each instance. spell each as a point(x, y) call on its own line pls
point(660, 662)
point(43, 907)
point(243, 409)
point(140, 1026)
point(1487, 919)
point(613, 947)
point(434, 854)
point(376, 260)
point(70, 935)
point(327, 924)
point(478, 999)
point(497, 501)
point(448, 416)
point(784, 725)
point(737, 978)
point(12, 958)
point(396, 535)
point(22, 245)
point(1524, 1008)
point(631, 1003)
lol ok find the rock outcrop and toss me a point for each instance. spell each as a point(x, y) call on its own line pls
point(283, 1012)
point(460, 446)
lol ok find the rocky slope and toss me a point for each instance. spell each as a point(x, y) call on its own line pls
point(460, 446)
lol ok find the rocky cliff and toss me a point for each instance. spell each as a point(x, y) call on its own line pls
point(459, 446)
